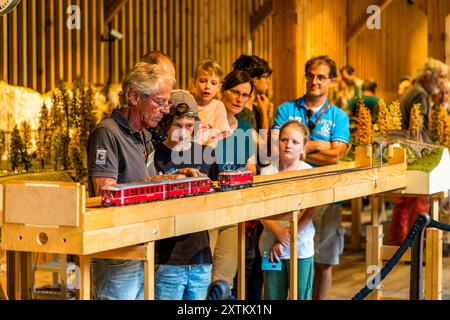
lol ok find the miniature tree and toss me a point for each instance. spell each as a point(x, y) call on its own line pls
point(416, 122)
point(2, 147)
point(364, 126)
point(26, 144)
point(43, 137)
point(76, 157)
point(55, 126)
point(395, 115)
point(16, 147)
point(383, 119)
point(441, 125)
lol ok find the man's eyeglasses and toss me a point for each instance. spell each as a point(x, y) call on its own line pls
point(236, 94)
point(161, 104)
point(320, 77)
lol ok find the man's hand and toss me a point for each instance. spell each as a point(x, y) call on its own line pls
point(191, 172)
point(315, 146)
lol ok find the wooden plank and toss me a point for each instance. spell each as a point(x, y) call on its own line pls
point(355, 241)
point(130, 48)
point(66, 240)
point(76, 43)
point(101, 45)
point(373, 255)
point(13, 49)
point(145, 34)
point(433, 264)
point(94, 42)
point(60, 28)
point(23, 45)
point(32, 31)
point(4, 48)
point(86, 59)
point(158, 30)
point(241, 261)
point(68, 66)
point(85, 278)
point(137, 30)
point(136, 252)
point(47, 204)
point(149, 272)
point(293, 270)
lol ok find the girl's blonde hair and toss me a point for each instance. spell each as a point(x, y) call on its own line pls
point(210, 66)
point(300, 127)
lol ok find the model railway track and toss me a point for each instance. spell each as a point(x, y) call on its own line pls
point(308, 176)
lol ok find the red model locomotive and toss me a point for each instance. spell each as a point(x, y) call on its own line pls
point(130, 193)
point(235, 179)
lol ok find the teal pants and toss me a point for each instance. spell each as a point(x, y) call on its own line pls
point(276, 283)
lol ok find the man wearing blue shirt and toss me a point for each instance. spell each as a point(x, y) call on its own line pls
point(329, 138)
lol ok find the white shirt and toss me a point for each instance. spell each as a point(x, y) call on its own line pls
point(305, 237)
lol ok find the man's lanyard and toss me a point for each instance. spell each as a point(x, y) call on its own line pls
point(310, 113)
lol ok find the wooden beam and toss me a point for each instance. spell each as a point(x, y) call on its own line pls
point(113, 9)
point(261, 15)
point(437, 13)
point(361, 25)
point(286, 48)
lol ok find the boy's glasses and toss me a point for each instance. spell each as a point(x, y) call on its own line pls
point(236, 94)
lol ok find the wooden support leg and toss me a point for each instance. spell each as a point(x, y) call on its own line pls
point(433, 265)
point(13, 275)
point(433, 258)
point(241, 261)
point(293, 275)
point(373, 256)
point(149, 272)
point(355, 240)
point(3, 287)
point(85, 278)
point(26, 274)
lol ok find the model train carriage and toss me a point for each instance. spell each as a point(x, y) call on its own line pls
point(235, 179)
point(130, 193)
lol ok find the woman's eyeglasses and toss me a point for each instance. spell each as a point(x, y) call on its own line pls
point(236, 94)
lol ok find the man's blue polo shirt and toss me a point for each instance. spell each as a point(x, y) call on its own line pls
point(333, 125)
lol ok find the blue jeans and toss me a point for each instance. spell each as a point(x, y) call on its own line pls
point(188, 282)
point(118, 279)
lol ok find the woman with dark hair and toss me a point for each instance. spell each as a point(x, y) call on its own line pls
point(234, 152)
point(259, 111)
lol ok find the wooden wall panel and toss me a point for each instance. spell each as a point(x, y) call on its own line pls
point(37, 49)
point(394, 51)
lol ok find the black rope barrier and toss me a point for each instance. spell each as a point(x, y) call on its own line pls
point(418, 226)
point(421, 223)
point(438, 225)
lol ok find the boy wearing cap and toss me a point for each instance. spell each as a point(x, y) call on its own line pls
point(183, 264)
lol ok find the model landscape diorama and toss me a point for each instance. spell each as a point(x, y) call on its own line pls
point(428, 163)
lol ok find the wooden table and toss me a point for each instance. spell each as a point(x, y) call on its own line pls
point(56, 218)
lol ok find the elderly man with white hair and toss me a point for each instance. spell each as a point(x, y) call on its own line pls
point(120, 151)
point(429, 81)
point(430, 78)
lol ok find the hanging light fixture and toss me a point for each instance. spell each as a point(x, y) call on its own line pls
point(6, 6)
